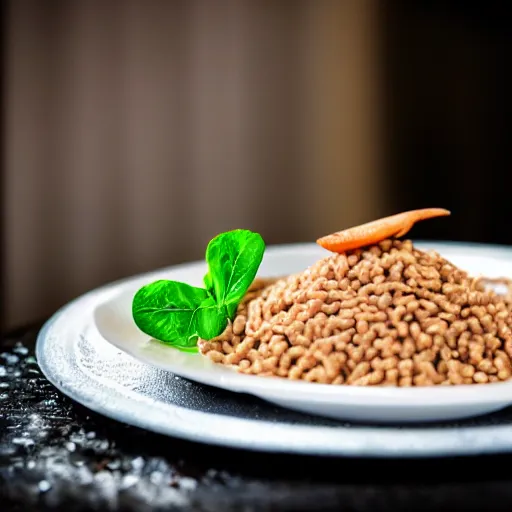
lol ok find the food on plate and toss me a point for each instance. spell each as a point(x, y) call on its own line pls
point(373, 232)
point(388, 314)
point(380, 313)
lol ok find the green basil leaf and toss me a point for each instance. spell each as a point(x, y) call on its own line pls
point(167, 311)
point(208, 284)
point(233, 260)
point(211, 319)
point(178, 314)
point(231, 309)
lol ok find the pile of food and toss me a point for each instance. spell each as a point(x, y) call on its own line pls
point(378, 311)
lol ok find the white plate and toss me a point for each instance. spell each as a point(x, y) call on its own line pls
point(375, 404)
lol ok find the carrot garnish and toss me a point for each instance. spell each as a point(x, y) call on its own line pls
point(376, 231)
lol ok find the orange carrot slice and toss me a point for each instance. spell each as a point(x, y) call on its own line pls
point(376, 231)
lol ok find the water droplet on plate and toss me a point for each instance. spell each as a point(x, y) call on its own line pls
point(129, 481)
point(156, 477)
point(22, 441)
point(10, 358)
point(70, 447)
point(44, 486)
point(114, 464)
point(187, 484)
point(20, 349)
point(138, 463)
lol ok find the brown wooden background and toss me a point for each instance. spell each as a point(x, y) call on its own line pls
point(134, 131)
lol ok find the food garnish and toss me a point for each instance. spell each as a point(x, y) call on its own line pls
point(179, 314)
point(374, 232)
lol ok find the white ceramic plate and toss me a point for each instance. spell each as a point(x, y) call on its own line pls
point(375, 404)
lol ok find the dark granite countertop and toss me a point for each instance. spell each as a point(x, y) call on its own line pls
point(57, 455)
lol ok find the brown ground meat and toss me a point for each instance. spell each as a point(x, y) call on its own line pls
point(386, 315)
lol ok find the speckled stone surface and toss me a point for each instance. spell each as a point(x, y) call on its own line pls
point(57, 455)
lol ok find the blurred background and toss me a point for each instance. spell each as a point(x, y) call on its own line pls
point(133, 131)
